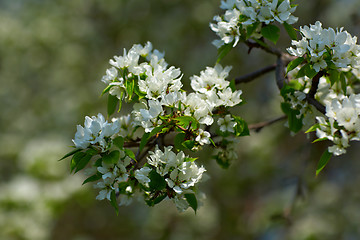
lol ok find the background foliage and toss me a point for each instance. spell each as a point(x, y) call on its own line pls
point(52, 57)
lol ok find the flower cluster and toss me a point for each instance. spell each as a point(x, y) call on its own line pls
point(343, 123)
point(242, 15)
point(180, 173)
point(160, 107)
point(326, 48)
point(96, 132)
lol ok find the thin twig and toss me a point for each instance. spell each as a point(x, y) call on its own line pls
point(252, 44)
point(258, 126)
point(251, 76)
point(310, 97)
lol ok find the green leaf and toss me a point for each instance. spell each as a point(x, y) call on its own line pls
point(343, 82)
point(294, 63)
point(191, 199)
point(224, 50)
point(290, 30)
point(111, 106)
point(334, 76)
point(107, 89)
point(76, 159)
point(309, 71)
point(137, 91)
point(295, 124)
point(130, 153)
point(313, 128)
point(83, 162)
point(232, 85)
point(189, 144)
point(271, 32)
point(212, 142)
point(178, 140)
point(221, 161)
point(120, 101)
point(320, 139)
point(119, 142)
point(189, 159)
point(323, 161)
point(70, 153)
point(157, 182)
point(112, 157)
point(251, 28)
point(144, 141)
point(114, 202)
point(241, 127)
point(159, 198)
point(185, 121)
point(130, 88)
point(93, 178)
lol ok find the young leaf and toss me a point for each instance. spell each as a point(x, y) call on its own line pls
point(290, 30)
point(70, 153)
point(241, 127)
point(250, 29)
point(191, 199)
point(159, 198)
point(294, 63)
point(130, 153)
point(295, 124)
point(313, 128)
point(157, 182)
point(111, 106)
point(107, 89)
point(271, 32)
point(224, 50)
point(309, 71)
point(185, 121)
point(320, 139)
point(323, 161)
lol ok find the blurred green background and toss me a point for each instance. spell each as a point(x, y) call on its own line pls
point(52, 57)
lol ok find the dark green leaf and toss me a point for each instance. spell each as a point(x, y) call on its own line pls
point(144, 141)
point(271, 32)
point(309, 71)
point(93, 178)
point(191, 199)
point(114, 202)
point(83, 162)
point(294, 63)
point(250, 29)
point(334, 76)
point(224, 50)
point(159, 198)
point(295, 124)
point(119, 142)
point(323, 161)
point(178, 140)
point(343, 82)
point(232, 85)
point(157, 182)
point(189, 144)
point(70, 153)
point(111, 106)
point(112, 157)
point(76, 159)
point(91, 152)
point(290, 30)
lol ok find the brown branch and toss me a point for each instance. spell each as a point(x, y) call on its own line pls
point(310, 97)
point(251, 76)
point(252, 44)
point(258, 126)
